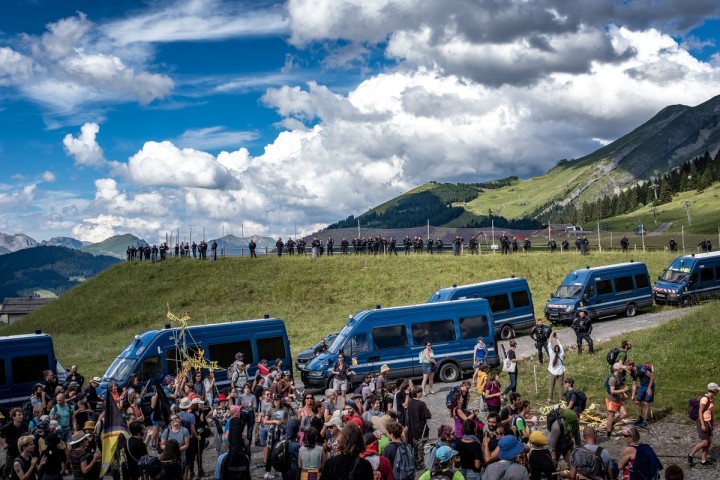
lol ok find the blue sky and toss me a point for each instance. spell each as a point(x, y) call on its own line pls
point(265, 117)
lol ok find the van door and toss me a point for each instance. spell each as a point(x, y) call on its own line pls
point(359, 357)
point(390, 345)
point(604, 303)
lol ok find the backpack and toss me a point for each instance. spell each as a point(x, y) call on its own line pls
point(646, 466)
point(607, 383)
point(235, 467)
point(404, 464)
point(151, 467)
point(27, 410)
point(450, 395)
point(442, 475)
point(612, 355)
point(588, 464)
point(429, 459)
point(581, 401)
point(280, 457)
point(565, 441)
point(694, 409)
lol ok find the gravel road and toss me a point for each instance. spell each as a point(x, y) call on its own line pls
point(671, 437)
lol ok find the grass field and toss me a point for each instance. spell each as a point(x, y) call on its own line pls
point(92, 323)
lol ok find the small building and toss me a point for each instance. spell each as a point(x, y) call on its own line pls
point(17, 308)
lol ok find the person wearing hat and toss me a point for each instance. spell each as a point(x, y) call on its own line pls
point(329, 403)
point(238, 381)
point(445, 457)
point(583, 328)
point(275, 419)
point(539, 458)
point(351, 415)
point(381, 381)
point(616, 393)
point(509, 447)
point(52, 458)
point(705, 425)
point(81, 459)
point(189, 421)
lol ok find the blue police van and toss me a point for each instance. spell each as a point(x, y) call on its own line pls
point(156, 353)
point(395, 336)
point(689, 278)
point(619, 289)
point(23, 359)
point(510, 301)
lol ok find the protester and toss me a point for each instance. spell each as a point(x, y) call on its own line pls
point(442, 467)
point(350, 446)
point(705, 425)
point(506, 467)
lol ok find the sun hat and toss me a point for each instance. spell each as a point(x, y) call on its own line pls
point(89, 425)
point(78, 437)
point(384, 368)
point(197, 401)
point(444, 454)
point(185, 403)
point(96, 380)
point(713, 387)
point(537, 438)
point(334, 422)
point(381, 422)
point(510, 447)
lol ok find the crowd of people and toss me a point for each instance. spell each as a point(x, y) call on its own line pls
point(379, 430)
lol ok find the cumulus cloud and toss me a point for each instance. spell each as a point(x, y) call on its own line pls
point(84, 148)
point(14, 67)
point(211, 138)
point(48, 176)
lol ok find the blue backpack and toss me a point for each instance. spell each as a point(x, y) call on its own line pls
point(403, 467)
point(450, 395)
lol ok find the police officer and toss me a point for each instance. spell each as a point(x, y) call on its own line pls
point(565, 245)
point(406, 244)
point(430, 243)
point(252, 246)
point(624, 243)
point(672, 244)
point(392, 246)
point(456, 245)
point(504, 244)
point(439, 245)
point(344, 246)
point(541, 333)
point(584, 245)
point(583, 328)
point(279, 245)
point(514, 245)
point(330, 242)
point(213, 247)
point(527, 245)
point(552, 245)
point(290, 246)
point(194, 249)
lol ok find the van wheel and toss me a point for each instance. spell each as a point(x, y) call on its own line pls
point(506, 332)
point(449, 372)
point(685, 302)
point(631, 310)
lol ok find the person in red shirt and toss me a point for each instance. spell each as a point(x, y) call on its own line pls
point(351, 415)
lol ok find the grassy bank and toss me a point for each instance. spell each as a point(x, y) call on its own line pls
point(93, 322)
point(683, 353)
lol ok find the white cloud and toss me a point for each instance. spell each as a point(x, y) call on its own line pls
point(100, 228)
point(211, 138)
point(85, 148)
point(197, 20)
point(48, 176)
point(63, 36)
point(18, 198)
point(14, 67)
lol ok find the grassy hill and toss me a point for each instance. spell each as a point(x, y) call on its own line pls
point(95, 320)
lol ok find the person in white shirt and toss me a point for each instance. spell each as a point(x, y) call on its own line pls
point(556, 367)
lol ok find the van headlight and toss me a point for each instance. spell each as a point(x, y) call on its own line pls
point(315, 373)
point(570, 308)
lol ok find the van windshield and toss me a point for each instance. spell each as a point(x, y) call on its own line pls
point(119, 369)
point(568, 291)
point(674, 276)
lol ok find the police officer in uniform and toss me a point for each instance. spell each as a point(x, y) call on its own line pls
point(406, 244)
point(541, 333)
point(252, 246)
point(552, 245)
point(290, 246)
point(504, 244)
point(456, 245)
point(583, 328)
point(279, 245)
point(565, 245)
point(624, 243)
point(672, 244)
point(344, 246)
point(330, 242)
point(213, 247)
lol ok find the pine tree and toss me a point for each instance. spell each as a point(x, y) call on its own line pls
point(665, 194)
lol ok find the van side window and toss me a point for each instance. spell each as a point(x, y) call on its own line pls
point(693, 277)
point(520, 299)
point(3, 378)
point(624, 284)
point(271, 348)
point(717, 272)
point(590, 291)
point(149, 369)
point(642, 280)
point(28, 369)
point(356, 344)
point(389, 337)
point(604, 287)
point(224, 353)
point(474, 327)
point(706, 274)
point(434, 332)
point(175, 359)
point(499, 303)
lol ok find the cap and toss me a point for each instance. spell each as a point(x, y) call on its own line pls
point(713, 387)
point(78, 437)
point(444, 454)
point(96, 380)
point(222, 398)
point(329, 392)
point(617, 366)
point(537, 438)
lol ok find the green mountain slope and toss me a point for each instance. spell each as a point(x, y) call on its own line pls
point(115, 246)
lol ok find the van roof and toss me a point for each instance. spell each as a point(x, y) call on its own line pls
point(609, 267)
point(213, 326)
point(24, 337)
point(436, 305)
point(699, 256)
